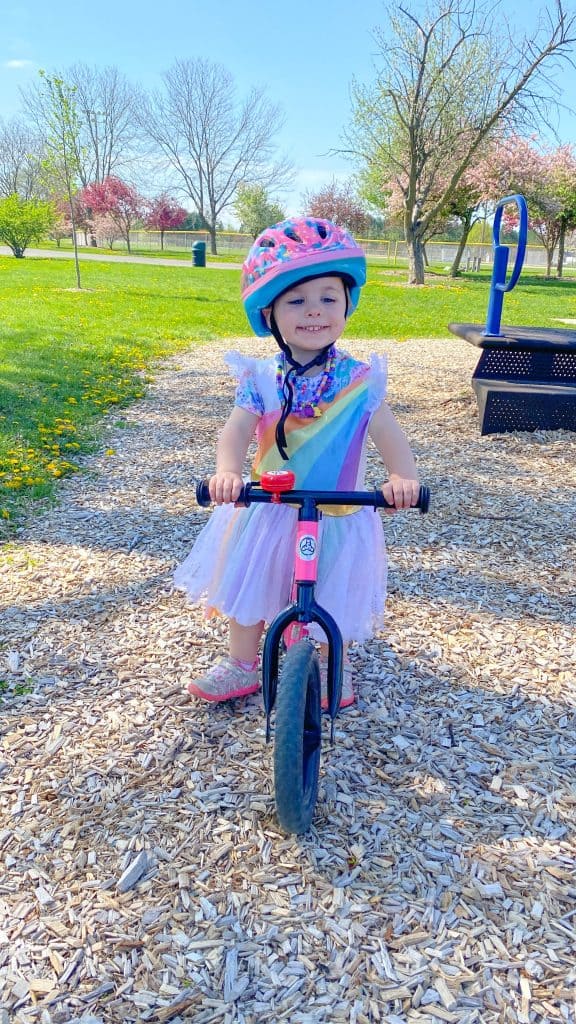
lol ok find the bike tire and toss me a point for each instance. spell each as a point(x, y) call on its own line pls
point(297, 738)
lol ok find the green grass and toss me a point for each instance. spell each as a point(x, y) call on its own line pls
point(389, 308)
point(67, 357)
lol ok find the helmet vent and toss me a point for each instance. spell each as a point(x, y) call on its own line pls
point(290, 233)
point(267, 243)
point(321, 230)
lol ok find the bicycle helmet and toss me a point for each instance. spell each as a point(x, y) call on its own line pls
point(293, 251)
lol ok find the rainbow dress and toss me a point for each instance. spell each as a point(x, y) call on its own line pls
point(242, 561)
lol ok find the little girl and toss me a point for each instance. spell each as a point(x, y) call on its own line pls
point(312, 407)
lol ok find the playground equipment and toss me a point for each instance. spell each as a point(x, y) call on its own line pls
point(526, 376)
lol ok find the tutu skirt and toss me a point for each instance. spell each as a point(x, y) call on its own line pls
point(242, 564)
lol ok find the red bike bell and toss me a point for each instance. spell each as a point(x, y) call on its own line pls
point(277, 481)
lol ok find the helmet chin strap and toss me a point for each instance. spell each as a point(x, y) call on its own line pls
point(296, 370)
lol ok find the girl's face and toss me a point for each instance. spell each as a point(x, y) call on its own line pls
point(311, 315)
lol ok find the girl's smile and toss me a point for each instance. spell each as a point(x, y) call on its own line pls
point(311, 315)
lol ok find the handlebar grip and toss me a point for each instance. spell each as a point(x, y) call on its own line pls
point(423, 503)
point(203, 494)
point(423, 499)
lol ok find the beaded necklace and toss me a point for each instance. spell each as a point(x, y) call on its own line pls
point(310, 396)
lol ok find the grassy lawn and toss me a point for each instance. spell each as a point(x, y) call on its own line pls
point(66, 357)
point(389, 308)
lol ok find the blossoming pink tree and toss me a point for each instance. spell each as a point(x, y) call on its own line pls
point(165, 214)
point(116, 199)
point(105, 229)
point(65, 224)
point(466, 201)
point(546, 177)
point(340, 204)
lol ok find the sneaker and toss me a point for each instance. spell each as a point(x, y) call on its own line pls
point(347, 698)
point(224, 681)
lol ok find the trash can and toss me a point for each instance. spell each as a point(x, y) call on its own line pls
point(199, 254)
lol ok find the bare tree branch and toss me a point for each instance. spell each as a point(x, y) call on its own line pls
point(20, 159)
point(212, 143)
point(106, 104)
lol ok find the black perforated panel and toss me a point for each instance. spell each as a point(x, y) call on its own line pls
point(540, 367)
point(505, 411)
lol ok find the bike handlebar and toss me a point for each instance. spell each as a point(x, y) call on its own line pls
point(253, 492)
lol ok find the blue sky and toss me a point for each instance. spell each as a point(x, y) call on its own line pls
point(305, 52)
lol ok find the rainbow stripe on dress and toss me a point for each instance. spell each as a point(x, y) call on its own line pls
point(325, 452)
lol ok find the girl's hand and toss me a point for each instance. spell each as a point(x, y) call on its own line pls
point(225, 487)
point(400, 493)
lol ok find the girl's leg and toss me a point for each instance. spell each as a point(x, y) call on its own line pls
point(244, 641)
point(235, 675)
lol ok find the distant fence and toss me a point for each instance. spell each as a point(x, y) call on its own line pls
point(476, 254)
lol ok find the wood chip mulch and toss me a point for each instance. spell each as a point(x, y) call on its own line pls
point(144, 877)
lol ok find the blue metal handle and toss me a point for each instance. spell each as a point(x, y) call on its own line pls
point(499, 285)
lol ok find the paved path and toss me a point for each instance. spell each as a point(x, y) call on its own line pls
point(65, 254)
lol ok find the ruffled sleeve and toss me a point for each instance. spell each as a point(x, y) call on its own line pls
point(377, 381)
point(244, 369)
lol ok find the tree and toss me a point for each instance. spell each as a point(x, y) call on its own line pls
point(20, 159)
point(105, 229)
point(447, 81)
point(468, 201)
point(165, 214)
point(60, 164)
point(255, 210)
point(23, 221)
point(106, 107)
point(117, 200)
point(546, 177)
point(562, 170)
point(340, 204)
point(192, 222)
point(210, 142)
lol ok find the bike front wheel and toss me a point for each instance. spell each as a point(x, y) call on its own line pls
point(297, 738)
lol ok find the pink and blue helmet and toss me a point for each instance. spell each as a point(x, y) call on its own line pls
point(293, 251)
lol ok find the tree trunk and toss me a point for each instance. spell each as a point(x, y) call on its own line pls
point(549, 258)
point(162, 239)
point(561, 244)
point(415, 246)
point(415, 259)
point(74, 237)
point(212, 232)
point(466, 225)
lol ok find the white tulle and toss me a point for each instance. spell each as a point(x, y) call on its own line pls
point(242, 562)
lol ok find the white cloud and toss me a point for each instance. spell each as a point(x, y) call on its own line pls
point(17, 64)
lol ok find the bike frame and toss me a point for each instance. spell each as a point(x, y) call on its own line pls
point(302, 611)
